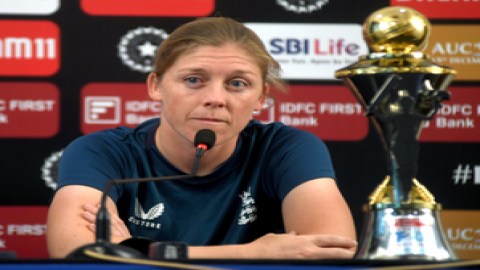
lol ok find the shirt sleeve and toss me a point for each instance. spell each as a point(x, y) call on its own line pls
point(296, 156)
point(92, 160)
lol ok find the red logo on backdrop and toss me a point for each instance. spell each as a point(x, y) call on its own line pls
point(171, 8)
point(446, 9)
point(108, 105)
point(330, 112)
point(28, 110)
point(29, 48)
point(23, 231)
point(458, 120)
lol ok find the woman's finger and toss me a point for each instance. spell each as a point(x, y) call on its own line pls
point(91, 209)
point(117, 226)
point(91, 227)
point(89, 217)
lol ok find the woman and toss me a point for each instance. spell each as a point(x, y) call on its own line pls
point(257, 182)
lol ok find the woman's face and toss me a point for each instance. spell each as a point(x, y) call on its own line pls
point(210, 87)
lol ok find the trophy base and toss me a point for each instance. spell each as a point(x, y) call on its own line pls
point(406, 231)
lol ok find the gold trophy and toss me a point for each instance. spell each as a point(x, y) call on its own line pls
point(400, 88)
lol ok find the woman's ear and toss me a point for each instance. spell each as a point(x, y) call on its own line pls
point(153, 84)
point(263, 97)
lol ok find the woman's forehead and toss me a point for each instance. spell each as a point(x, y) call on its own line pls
point(226, 47)
point(226, 52)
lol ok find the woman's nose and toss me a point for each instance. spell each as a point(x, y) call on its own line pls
point(215, 96)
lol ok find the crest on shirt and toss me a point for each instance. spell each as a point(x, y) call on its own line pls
point(248, 212)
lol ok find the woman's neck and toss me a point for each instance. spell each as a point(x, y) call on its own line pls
point(181, 152)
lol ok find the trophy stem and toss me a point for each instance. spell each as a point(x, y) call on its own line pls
point(396, 107)
point(403, 159)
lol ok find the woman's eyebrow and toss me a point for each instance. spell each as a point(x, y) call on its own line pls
point(188, 69)
point(202, 70)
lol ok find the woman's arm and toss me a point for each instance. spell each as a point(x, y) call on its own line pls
point(68, 225)
point(319, 223)
point(316, 216)
point(281, 246)
point(318, 207)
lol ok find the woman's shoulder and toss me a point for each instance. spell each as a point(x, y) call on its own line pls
point(277, 130)
point(114, 139)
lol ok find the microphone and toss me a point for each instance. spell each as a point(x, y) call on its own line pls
point(204, 140)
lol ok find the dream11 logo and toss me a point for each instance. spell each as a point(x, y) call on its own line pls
point(170, 8)
point(29, 48)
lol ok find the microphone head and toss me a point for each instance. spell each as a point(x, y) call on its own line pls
point(206, 137)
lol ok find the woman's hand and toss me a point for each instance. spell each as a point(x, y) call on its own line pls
point(293, 246)
point(117, 227)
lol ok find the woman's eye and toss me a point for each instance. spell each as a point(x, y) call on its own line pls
point(193, 80)
point(237, 83)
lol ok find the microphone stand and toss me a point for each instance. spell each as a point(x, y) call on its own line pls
point(102, 243)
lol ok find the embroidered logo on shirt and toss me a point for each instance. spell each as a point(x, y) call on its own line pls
point(248, 213)
point(153, 213)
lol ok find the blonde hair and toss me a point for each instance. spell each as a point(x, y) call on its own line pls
point(218, 31)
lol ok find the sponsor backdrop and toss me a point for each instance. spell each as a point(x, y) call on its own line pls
point(69, 68)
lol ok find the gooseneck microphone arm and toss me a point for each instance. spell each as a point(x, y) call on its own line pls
point(204, 140)
point(200, 151)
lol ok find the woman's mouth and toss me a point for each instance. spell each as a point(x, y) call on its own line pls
point(211, 120)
